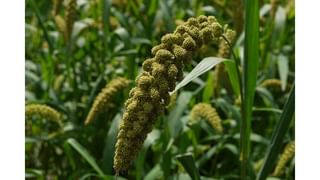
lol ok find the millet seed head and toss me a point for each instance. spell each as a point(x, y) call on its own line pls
point(147, 64)
point(42, 111)
point(156, 48)
point(104, 98)
point(287, 154)
point(159, 77)
point(189, 44)
point(164, 55)
point(206, 111)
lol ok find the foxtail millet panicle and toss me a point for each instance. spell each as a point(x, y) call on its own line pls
point(104, 98)
point(149, 98)
point(275, 84)
point(287, 154)
point(60, 23)
point(206, 111)
point(224, 49)
point(70, 17)
point(42, 111)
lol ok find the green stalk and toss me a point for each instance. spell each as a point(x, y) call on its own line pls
point(251, 57)
point(42, 26)
point(48, 64)
point(71, 66)
point(278, 136)
point(106, 24)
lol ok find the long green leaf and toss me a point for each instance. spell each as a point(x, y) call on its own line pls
point(205, 65)
point(85, 154)
point(42, 25)
point(209, 88)
point(234, 80)
point(108, 152)
point(278, 136)
point(189, 165)
point(251, 57)
point(175, 124)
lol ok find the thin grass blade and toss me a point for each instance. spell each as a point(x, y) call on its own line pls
point(251, 57)
point(233, 76)
point(85, 154)
point(110, 141)
point(189, 165)
point(278, 136)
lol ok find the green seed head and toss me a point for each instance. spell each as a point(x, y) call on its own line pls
point(70, 17)
point(164, 55)
point(156, 48)
point(158, 69)
point(189, 44)
point(170, 39)
point(224, 49)
point(202, 18)
point(160, 75)
point(42, 111)
point(206, 111)
point(104, 98)
point(287, 154)
point(145, 81)
point(147, 65)
point(172, 71)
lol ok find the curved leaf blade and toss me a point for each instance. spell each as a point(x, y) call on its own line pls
point(110, 141)
point(205, 65)
point(85, 154)
point(278, 136)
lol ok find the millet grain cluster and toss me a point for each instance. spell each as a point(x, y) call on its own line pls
point(42, 111)
point(206, 111)
point(160, 73)
point(104, 98)
point(287, 154)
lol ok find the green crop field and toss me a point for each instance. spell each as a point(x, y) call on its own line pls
point(160, 89)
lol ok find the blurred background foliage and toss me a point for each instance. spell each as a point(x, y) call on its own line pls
point(112, 38)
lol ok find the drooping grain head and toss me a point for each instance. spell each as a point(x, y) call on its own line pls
point(70, 17)
point(104, 98)
point(149, 98)
point(60, 23)
point(42, 111)
point(206, 111)
point(287, 154)
point(224, 51)
point(274, 85)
